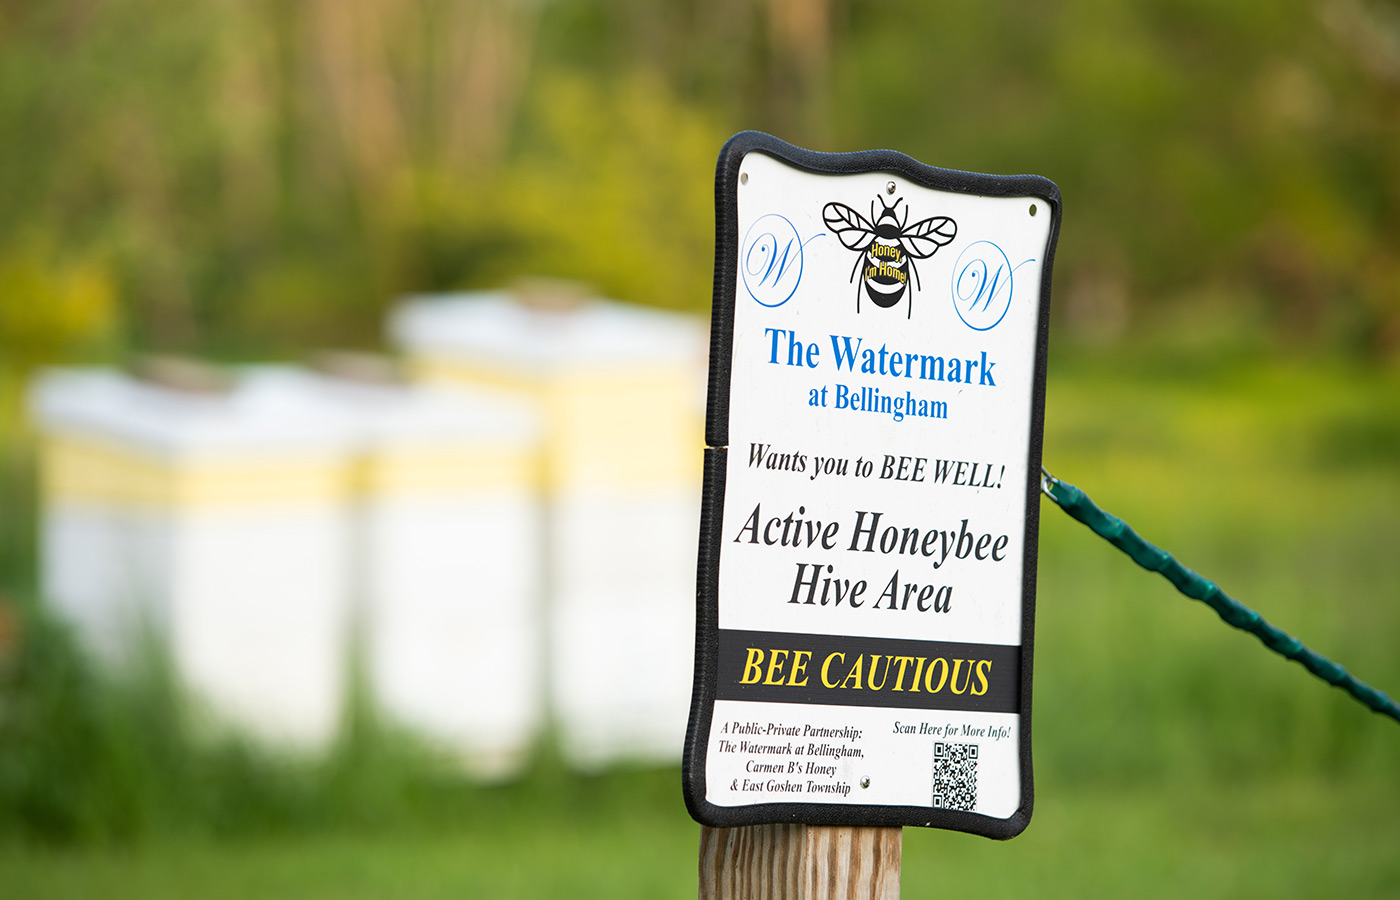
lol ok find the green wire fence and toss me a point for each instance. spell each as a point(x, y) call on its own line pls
point(1118, 533)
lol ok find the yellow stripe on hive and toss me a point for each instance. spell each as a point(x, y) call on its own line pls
point(88, 471)
point(628, 427)
point(92, 471)
point(436, 369)
point(436, 470)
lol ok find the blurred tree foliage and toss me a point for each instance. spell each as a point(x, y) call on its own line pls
point(257, 177)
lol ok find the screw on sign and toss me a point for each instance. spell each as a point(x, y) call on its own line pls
point(844, 687)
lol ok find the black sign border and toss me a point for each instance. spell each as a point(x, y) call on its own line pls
point(716, 453)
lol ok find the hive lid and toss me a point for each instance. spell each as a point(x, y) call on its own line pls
point(543, 339)
point(255, 415)
point(386, 412)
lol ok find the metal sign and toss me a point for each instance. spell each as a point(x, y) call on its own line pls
point(868, 540)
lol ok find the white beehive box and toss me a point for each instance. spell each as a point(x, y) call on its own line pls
point(448, 573)
point(620, 390)
point(211, 522)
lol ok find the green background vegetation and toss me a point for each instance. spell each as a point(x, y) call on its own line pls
point(256, 179)
point(244, 177)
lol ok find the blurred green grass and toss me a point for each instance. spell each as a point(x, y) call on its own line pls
point(1295, 837)
point(1173, 754)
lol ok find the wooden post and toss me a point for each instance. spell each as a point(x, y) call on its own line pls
point(800, 862)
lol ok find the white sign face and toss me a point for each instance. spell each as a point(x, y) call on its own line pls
point(867, 562)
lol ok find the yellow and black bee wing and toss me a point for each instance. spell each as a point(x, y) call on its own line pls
point(922, 239)
point(854, 231)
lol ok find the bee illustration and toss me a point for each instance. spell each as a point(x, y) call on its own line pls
point(887, 246)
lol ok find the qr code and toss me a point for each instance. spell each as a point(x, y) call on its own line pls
point(955, 776)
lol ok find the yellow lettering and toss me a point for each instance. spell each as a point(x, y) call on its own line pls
point(826, 664)
point(875, 661)
point(903, 661)
point(856, 672)
point(799, 665)
point(928, 676)
point(957, 664)
point(775, 664)
point(917, 672)
point(983, 667)
point(753, 666)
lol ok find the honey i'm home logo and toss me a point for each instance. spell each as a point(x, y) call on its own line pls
point(886, 247)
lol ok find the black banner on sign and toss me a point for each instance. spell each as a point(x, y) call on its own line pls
point(775, 667)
